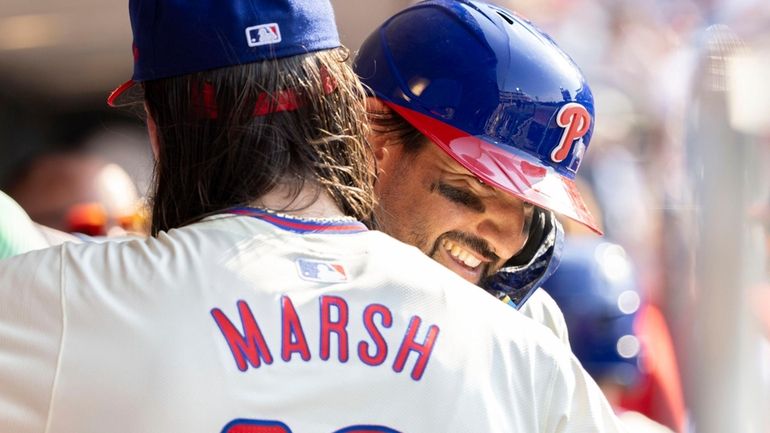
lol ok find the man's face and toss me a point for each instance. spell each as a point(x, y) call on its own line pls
point(430, 201)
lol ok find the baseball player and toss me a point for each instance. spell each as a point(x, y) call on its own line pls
point(479, 123)
point(78, 191)
point(261, 303)
point(596, 288)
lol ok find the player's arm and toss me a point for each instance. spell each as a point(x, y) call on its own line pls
point(31, 333)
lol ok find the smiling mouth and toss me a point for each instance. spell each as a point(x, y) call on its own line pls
point(462, 255)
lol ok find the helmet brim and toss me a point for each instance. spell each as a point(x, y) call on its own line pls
point(505, 168)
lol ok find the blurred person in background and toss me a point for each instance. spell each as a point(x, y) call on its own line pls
point(596, 289)
point(78, 193)
point(84, 188)
point(610, 305)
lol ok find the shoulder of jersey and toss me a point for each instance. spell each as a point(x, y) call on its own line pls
point(474, 302)
point(540, 304)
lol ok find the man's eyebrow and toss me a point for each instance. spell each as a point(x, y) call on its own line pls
point(461, 196)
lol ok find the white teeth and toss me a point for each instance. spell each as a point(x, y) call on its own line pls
point(461, 254)
point(472, 262)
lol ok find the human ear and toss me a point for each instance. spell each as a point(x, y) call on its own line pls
point(386, 148)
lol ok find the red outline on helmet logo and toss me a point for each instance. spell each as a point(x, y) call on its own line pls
point(576, 121)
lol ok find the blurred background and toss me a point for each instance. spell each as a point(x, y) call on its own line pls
point(678, 169)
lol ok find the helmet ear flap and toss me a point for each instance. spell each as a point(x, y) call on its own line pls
point(523, 273)
point(537, 230)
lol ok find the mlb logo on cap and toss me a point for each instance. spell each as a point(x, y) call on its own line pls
point(263, 34)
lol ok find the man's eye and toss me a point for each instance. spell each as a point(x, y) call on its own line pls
point(461, 196)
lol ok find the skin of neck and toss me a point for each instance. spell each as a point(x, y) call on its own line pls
point(311, 202)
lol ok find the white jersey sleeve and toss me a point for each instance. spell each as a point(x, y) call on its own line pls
point(31, 325)
point(543, 309)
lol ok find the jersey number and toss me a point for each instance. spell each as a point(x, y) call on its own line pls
point(260, 426)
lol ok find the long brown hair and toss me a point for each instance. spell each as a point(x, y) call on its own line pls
point(226, 136)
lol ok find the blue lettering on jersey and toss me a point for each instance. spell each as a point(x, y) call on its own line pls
point(249, 346)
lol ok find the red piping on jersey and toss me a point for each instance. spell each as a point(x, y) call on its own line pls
point(301, 226)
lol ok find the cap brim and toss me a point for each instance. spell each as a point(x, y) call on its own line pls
point(124, 94)
point(507, 168)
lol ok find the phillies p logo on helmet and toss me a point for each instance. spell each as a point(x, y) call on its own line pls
point(576, 121)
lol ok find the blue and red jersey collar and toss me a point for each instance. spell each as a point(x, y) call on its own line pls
point(301, 225)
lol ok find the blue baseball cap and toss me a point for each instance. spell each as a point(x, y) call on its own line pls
point(179, 37)
point(597, 290)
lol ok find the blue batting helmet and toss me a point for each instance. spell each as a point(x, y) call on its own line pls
point(596, 289)
point(492, 91)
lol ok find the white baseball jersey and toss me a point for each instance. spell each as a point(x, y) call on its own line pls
point(543, 309)
point(265, 324)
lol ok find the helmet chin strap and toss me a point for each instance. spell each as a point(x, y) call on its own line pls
point(523, 273)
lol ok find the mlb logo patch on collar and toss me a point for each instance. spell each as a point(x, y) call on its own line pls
point(321, 271)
